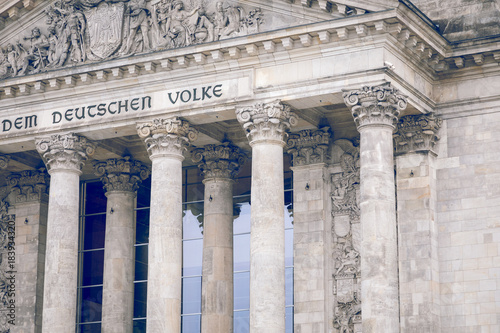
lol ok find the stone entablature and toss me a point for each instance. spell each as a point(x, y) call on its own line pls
point(65, 151)
point(375, 105)
point(416, 133)
point(219, 161)
point(309, 146)
point(29, 185)
point(121, 174)
point(169, 136)
point(429, 48)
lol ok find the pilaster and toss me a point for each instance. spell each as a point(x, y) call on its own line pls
point(64, 156)
point(121, 178)
point(166, 140)
point(265, 125)
point(309, 151)
point(414, 142)
point(219, 165)
point(375, 109)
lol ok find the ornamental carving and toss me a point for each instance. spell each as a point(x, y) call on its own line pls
point(85, 31)
point(169, 136)
point(29, 185)
point(222, 161)
point(309, 146)
point(416, 133)
point(380, 105)
point(266, 121)
point(121, 174)
point(4, 161)
point(346, 232)
point(64, 151)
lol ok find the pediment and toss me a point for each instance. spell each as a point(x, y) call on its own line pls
point(44, 35)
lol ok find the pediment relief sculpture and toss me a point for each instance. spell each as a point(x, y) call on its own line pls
point(83, 31)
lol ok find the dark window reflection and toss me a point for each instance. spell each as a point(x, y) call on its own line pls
point(91, 306)
point(93, 267)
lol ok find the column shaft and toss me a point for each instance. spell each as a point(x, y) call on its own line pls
point(61, 272)
point(119, 265)
point(267, 240)
point(217, 281)
point(165, 246)
point(379, 283)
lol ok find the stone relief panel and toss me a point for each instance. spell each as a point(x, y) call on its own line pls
point(83, 31)
point(346, 235)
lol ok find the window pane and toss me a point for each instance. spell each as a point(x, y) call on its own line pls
point(93, 267)
point(140, 296)
point(195, 192)
point(289, 286)
point(289, 247)
point(242, 186)
point(193, 217)
point(192, 257)
point(191, 324)
point(241, 291)
point(94, 231)
point(140, 326)
point(241, 252)
point(89, 328)
point(91, 304)
point(191, 295)
point(241, 321)
point(241, 222)
point(142, 226)
point(289, 320)
point(141, 263)
point(95, 200)
point(144, 194)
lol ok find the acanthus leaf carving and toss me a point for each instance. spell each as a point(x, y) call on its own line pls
point(29, 185)
point(416, 133)
point(309, 146)
point(124, 174)
point(219, 161)
point(83, 31)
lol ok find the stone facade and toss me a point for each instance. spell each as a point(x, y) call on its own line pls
point(388, 109)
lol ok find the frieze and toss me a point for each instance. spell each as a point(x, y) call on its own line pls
point(86, 31)
point(416, 133)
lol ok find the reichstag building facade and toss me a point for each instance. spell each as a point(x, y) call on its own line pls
point(279, 166)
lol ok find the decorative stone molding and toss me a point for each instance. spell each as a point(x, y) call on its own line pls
point(219, 161)
point(266, 121)
point(309, 146)
point(29, 185)
point(416, 133)
point(4, 161)
point(122, 174)
point(375, 105)
point(64, 151)
point(169, 136)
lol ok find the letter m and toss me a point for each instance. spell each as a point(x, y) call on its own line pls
point(30, 121)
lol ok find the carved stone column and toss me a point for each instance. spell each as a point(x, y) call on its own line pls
point(265, 126)
point(414, 142)
point(375, 109)
point(219, 165)
point(64, 156)
point(310, 201)
point(165, 140)
point(121, 178)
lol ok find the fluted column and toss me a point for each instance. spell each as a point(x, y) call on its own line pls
point(375, 110)
point(165, 140)
point(64, 156)
point(265, 126)
point(121, 178)
point(219, 165)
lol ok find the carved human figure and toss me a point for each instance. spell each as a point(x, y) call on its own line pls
point(4, 65)
point(185, 28)
point(36, 54)
point(226, 21)
point(75, 34)
point(349, 257)
point(13, 55)
point(138, 20)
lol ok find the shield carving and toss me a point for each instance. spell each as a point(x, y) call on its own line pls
point(105, 24)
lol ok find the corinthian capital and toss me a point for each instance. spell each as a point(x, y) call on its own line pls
point(309, 146)
point(266, 122)
point(375, 105)
point(121, 174)
point(222, 161)
point(64, 151)
point(29, 185)
point(167, 137)
point(4, 161)
point(416, 133)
